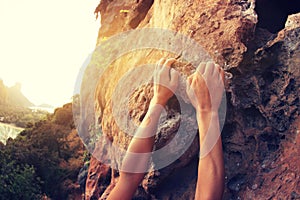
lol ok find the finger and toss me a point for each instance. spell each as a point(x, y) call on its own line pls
point(220, 73)
point(157, 69)
point(220, 76)
point(209, 68)
point(201, 68)
point(167, 66)
point(160, 63)
point(189, 79)
point(174, 76)
point(217, 69)
point(169, 62)
point(188, 84)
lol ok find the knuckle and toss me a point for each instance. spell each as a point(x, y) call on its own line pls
point(169, 61)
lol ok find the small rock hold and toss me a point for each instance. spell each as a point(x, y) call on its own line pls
point(293, 21)
point(236, 182)
point(254, 187)
point(295, 195)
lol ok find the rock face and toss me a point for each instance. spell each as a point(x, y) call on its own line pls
point(261, 131)
point(13, 96)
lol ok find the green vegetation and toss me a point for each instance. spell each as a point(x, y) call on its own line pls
point(18, 181)
point(43, 159)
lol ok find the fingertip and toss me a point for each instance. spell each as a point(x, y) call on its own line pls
point(169, 62)
point(160, 63)
point(162, 60)
point(210, 66)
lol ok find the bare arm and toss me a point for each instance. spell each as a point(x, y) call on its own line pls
point(132, 170)
point(205, 89)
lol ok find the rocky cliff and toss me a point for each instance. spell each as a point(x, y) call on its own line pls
point(261, 131)
point(13, 96)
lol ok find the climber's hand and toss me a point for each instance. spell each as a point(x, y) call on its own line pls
point(205, 87)
point(165, 81)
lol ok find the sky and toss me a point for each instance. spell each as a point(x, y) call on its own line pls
point(43, 44)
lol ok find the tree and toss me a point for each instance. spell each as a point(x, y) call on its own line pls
point(18, 181)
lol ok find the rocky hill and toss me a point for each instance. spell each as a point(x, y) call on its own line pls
point(13, 96)
point(261, 132)
point(14, 108)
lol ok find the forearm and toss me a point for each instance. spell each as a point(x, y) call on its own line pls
point(136, 160)
point(210, 182)
point(143, 140)
point(138, 155)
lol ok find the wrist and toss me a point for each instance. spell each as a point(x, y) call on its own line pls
point(158, 100)
point(155, 109)
point(206, 122)
point(206, 114)
point(206, 117)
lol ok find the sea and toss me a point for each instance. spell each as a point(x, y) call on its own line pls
point(48, 109)
point(8, 131)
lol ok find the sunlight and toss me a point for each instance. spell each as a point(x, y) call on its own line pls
point(43, 45)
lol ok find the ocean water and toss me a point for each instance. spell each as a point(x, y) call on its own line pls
point(8, 131)
point(48, 109)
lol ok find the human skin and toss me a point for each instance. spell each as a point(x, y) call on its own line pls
point(132, 171)
point(211, 168)
point(205, 89)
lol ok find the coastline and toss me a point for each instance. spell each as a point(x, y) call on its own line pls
point(8, 131)
point(11, 125)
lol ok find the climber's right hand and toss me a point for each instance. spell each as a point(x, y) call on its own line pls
point(205, 87)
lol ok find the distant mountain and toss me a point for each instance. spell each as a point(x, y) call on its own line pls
point(13, 96)
point(3, 93)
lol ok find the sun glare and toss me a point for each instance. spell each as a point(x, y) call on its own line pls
point(43, 45)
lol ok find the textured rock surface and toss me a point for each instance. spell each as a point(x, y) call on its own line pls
point(261, 133)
